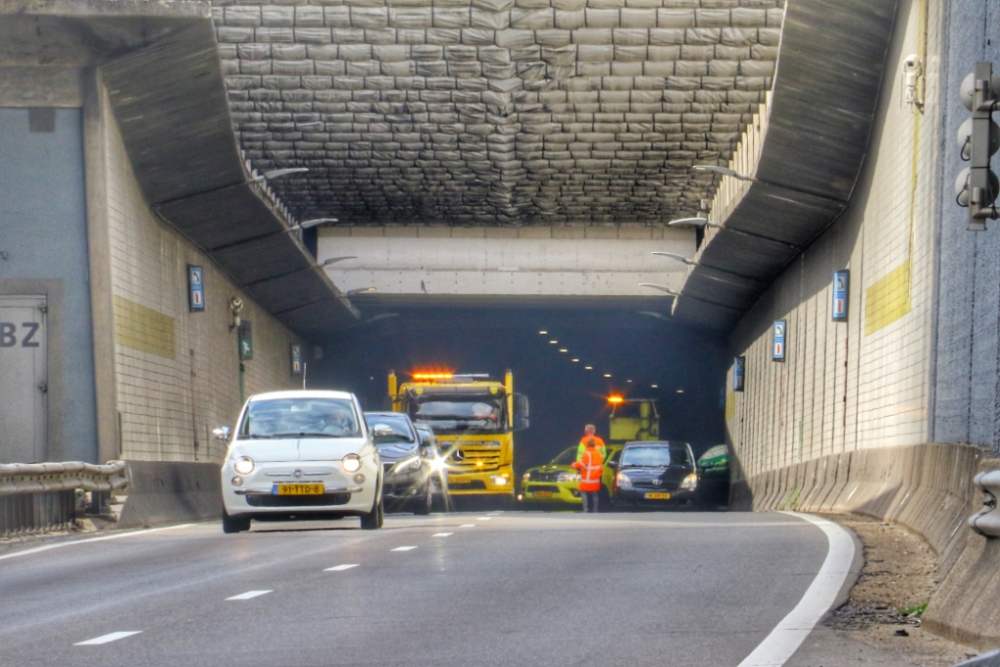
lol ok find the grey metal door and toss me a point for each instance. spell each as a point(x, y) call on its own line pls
point(23, 380)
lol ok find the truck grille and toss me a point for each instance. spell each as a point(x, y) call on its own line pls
point(476, 458)
point(474, 485)
point(321, 500)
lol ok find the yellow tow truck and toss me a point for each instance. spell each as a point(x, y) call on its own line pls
point(633, 419)
point(474, 418)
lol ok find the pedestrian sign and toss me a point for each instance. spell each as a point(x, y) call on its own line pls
point(296, 359)
point(778, 347)
point(841, 281)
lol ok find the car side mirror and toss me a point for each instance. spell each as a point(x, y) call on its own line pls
point(221, 433)
point(382, 431)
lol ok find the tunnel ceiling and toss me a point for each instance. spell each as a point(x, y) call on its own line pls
point(471, 112)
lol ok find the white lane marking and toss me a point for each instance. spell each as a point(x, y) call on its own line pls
point(468, 525)
point(36, 550)
point(404, 548)
point(249, 595)
point(482, 518)
point(104, 639)
point(788, 635)
point(341, 568)
point(442, 534)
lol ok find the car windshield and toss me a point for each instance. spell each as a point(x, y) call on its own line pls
point(401, 431)
point(460, 414)
point(659, 456)
point(300, 417)
point(566, 458)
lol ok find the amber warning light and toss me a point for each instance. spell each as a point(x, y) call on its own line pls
point(432, 376)
point(615, 400)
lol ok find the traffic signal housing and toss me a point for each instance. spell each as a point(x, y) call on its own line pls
point(977, 187)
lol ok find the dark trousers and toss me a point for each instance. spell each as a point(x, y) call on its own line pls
point(590, 500)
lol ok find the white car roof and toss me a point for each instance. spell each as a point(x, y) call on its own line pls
point(302, 393)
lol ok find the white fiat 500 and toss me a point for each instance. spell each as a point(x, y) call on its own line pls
point(300, 455)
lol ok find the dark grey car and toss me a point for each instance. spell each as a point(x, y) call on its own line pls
point(656, 473)
point(407, 470)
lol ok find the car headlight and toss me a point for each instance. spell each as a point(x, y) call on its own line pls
point(690, 482)
point(526, 477)
point(351, 463)
point(499, 480)
point(244, 465)
point(623, 481)
point(412, 463)
point(568, 477)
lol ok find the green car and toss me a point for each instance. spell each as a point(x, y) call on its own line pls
point(558, 482)
point(713, 477)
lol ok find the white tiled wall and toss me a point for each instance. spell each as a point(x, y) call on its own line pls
point(863, 383)
point(168, 402)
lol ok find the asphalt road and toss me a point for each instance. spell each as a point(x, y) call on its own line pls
point(699, 590)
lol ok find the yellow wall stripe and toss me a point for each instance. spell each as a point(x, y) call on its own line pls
point(144, 329)
point(888, 300)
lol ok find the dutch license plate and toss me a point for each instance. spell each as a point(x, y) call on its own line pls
point(297, 490)
point(657, 496)
point(543, 494)
point(459, 479)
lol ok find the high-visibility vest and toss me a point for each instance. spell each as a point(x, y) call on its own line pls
point(590, 470)
point(582, 447)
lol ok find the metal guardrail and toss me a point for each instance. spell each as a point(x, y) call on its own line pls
point(991, 659)
point(16, 478)
point(986, 522)
point(42, 496)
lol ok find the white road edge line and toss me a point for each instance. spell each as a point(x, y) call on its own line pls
point(442, 534)
point(249, 595)
point(341, 568)
point(104, 639)
point(788, 635)
point(132, 533)
point(404, 548)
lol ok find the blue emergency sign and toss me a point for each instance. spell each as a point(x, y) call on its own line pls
point(841, 282)
point(778, 347)
point(738, 365)
point(196, 289)
point(296, 359)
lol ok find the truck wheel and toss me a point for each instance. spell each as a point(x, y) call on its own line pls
point(374, 519)
point(232, 524)
point(425, 504)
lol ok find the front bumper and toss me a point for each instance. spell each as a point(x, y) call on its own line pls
point(462, 483)
point(342, 496)
point(551, 492)
point(640, 497)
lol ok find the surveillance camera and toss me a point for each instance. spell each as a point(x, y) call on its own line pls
point(236, 304)
point(912, 65)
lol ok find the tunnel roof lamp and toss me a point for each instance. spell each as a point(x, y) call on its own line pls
point(662, 288)
point(553, 342)
point(588, 368)
point(654, 386)
point(278, 173)
point(576, 361)
point(725, 171)
point(543, 332)
point(333, 260)
point(607, 375)
point(679, 258)
point(563, 350)
point(359, 290)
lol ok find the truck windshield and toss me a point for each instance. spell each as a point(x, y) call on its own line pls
point(454, 414)
point(300, 417)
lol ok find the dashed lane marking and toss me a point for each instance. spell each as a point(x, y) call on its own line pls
point(468, 525)
point(104, 639)
point(249, 595)
point(341, 568)
point(404, 548)
point(483, 518)
point(72, 543)
point(442, 534)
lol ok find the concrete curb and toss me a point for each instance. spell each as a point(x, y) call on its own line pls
point(165, 492)
point(926, 488)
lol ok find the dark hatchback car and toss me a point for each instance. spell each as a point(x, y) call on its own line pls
point(655, 474)
point(406, 466)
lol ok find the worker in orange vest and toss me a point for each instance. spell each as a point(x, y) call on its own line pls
point(590, 465)
point(590, 432)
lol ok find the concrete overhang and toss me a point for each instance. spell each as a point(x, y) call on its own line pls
point(160, 64)
point(804, 152)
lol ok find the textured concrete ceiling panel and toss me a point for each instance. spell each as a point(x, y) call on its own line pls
point(469, 112)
